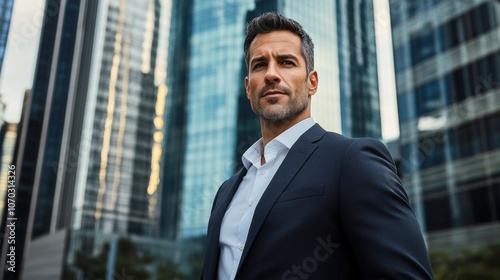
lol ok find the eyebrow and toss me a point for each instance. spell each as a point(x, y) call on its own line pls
point(287, 56)
point(280, 57)
point(257, 59)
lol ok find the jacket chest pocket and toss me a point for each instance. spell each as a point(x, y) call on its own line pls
point(304, 192)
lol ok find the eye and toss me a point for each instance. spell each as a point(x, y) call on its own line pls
point(259, 65)
point(287, 63)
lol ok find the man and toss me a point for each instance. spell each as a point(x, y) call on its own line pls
point(309, 204)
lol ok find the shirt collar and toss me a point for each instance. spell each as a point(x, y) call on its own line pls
point(286, 138)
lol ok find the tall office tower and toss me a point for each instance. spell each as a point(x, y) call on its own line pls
point(119, 158)
point(117, 174)
point(209, 112)
point(447, 62)
point(358, 79)
point(4, 241)
point(5, 16)
point(90, 152)
point(213, 83)
point(36, 146)
point(8, 135)
point(176, 122)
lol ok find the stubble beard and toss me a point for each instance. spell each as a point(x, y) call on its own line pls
point(293, 107)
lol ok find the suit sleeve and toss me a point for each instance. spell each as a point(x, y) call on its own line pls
point(376, 216)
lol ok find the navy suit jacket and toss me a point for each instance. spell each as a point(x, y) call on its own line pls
point(334, 210)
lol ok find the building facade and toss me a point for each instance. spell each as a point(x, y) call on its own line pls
point(358, 78)
point(35, 146)
point(5, 16)
point(8, 135)
point(447, 63)
point(117, 167)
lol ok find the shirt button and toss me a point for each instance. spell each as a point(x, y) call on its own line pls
point(241, 247)
point(262, 172)
point(251, 203)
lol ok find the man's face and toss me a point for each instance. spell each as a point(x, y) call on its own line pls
point(278, 85)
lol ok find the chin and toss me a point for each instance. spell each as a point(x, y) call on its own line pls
point(275, 115)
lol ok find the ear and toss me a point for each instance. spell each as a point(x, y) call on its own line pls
point(246, 87)
point(313, 82)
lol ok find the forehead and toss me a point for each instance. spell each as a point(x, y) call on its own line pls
point(276, 41)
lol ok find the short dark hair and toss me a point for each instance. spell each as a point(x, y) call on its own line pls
point(272, 21)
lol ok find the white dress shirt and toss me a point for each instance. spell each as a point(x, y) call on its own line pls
point(238, 216)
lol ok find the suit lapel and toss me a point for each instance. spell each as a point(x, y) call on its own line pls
point(296, 157)
point(224, 197)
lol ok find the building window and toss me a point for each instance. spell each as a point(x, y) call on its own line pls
point(428, 98)
point(406, 102)
point(437, 213)
point(493, 135)
point(496, 192)
point(483, 19)
point(400, 58)
point(409, 160)
point(467, 140)
point(461, 79)
point(431, 152)
point(422, 46)
point(474, 206)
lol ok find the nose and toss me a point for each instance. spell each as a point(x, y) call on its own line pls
point(272, 75)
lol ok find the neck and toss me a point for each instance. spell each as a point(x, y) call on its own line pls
point(272, 128)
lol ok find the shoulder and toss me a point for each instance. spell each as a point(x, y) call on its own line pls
point(369, 145)
point(316, 134)
point(353, 145)
point(344, 145)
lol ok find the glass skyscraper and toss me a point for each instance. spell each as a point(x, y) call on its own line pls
point(447, 62)
point(214, 84)
point(37, 145)
point(5, 16)
point(358, 79)
point(116, 187)
point(119, 167)
point(8, 134)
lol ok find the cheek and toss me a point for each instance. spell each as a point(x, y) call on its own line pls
point(252, 87)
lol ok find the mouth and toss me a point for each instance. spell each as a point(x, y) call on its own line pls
point(272, 93)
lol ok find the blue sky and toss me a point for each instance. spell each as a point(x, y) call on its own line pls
point(20, 55)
